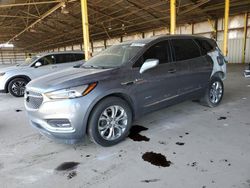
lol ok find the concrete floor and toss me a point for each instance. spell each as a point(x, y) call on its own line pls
point(215, 153)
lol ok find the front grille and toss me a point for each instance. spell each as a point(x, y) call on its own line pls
point(33, 100)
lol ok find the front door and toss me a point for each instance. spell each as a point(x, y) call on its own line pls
point(157, 85)
point(48, 66)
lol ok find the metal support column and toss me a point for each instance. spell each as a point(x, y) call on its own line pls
point(172, 16)
point(225, 40)
point(245, 38)
point(85, 28)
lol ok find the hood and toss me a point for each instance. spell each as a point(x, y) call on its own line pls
point(67, 78)
point(13, 68)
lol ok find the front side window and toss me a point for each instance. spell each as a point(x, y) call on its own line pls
point(160, 51)
point(47, 60)
point(115, 56)
point(185, 49)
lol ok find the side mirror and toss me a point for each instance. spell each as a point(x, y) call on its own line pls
point(149, 64)
point(38, 64)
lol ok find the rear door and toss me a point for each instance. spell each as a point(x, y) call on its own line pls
point(156, 85)
point(191, 65)
point(64, 61)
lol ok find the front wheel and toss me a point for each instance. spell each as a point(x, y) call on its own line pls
point(214, 93)
point(110, 121)
point(16, 87)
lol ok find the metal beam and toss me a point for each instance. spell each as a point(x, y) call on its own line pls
point(225, 39)
point(245, 38)
point(30, 3)
point(85, 28)
point(46, 14)
point(172, 16)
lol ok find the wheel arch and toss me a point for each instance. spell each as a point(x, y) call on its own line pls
point(120, 95)
point(14, 77)
point(220, 75)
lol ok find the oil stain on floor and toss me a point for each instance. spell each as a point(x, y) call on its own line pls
point(135, 133)
point(180, 143)
point(150, 181)
point(72, 174)
point(156, 159)
point(67, 166)
point(222, 118)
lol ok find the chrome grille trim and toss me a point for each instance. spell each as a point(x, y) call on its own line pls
point(33, 99)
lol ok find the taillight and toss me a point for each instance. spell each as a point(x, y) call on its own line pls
point(220, 60)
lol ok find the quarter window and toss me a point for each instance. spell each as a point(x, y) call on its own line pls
point(205, 46)
point(79, 57)
point(185, 49)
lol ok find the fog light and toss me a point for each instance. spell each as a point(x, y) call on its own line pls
point(59, 123)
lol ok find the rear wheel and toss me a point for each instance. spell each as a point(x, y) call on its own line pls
point(16, 87)
point(110, 121)
point(214, 93)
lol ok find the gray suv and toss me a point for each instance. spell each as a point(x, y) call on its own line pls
point(103, 97)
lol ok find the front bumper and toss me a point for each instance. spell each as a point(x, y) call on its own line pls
point(2, 84)
point(75, 111)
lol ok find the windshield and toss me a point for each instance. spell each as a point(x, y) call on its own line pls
point(114, 56)
point(29, 61)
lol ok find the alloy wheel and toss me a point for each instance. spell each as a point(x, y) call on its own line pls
point(18, 88)
point(112, 122)
point(216, 92)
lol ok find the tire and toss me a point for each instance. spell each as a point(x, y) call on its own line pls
point(102, 124)
point(16, 87)
point(209, 98)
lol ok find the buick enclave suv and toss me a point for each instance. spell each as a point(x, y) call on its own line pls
point(102, 98)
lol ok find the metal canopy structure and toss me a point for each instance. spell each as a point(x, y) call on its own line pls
point(34, 25)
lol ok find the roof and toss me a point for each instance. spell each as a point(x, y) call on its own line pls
point(56, 27)
point(64, 52)
point(148, 40)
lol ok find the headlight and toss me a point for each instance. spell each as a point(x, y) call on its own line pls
point(71, 93)
point(3, 73)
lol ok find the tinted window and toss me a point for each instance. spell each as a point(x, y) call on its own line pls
point(160, 51)
point(79, 57)
point(47, 60)
point(64, 58)
point(185, 49)
point(205, 46)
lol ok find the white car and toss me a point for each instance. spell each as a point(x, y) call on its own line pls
point(14, 79)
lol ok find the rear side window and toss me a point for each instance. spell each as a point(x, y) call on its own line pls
point(79, 57)
point(185, 49)
point(160, 51)
point(205, 46)
point(64, 58)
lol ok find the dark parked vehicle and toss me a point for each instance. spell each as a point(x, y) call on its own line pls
point(104, 96)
